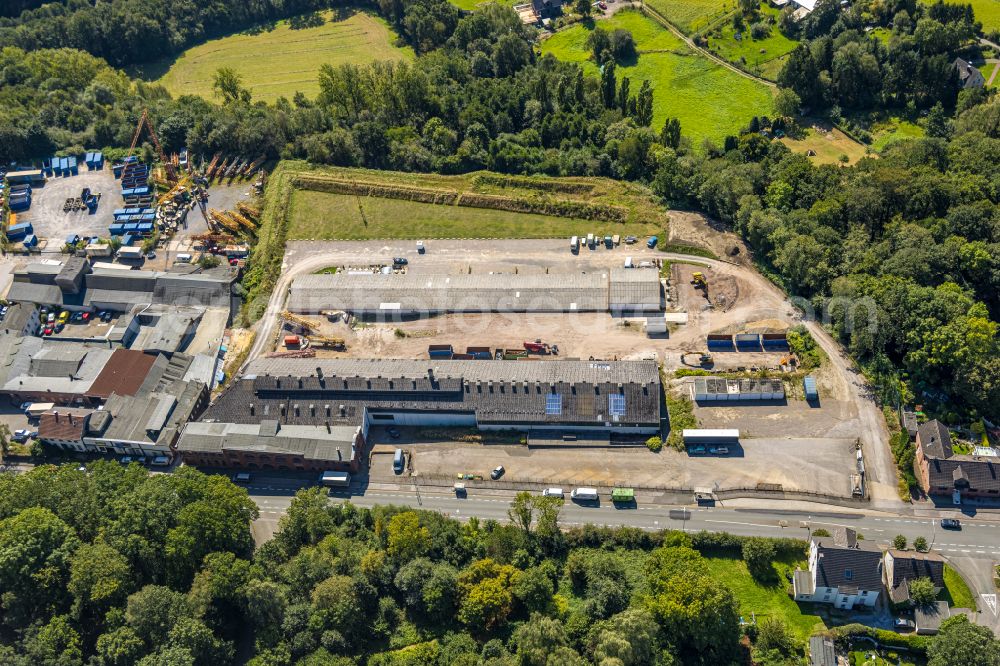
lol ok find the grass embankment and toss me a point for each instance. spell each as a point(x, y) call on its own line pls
point(691, 16)
point(335, 215)
point(282, 60)
point(956, 592)
point(710, 101)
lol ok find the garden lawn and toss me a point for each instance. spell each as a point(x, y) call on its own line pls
point(956, 592)
point(895, 130)
point(988, 13)
point(692, 15)
point(325, 216)
point(281, 61)
point(746, 52)
point(987, 71)
point(765, 600)
point(709, 100)
point(828, 143)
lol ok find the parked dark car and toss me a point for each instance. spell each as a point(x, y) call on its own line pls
point(497, 473)
point(950, 524)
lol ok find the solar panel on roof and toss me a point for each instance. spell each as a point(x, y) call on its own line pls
point(553, 404)
point(616, 404)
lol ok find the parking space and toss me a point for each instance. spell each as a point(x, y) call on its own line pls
point(77, 325)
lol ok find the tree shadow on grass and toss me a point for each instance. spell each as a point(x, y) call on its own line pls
point(303, 21)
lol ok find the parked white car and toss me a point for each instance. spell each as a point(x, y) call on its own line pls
point(553, 492)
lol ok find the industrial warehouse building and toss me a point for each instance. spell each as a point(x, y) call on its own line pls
point(73, 285)
point(370, 294)
point(715, 389)
point(315, 413)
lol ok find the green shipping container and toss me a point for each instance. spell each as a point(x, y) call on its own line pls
point(622, 495)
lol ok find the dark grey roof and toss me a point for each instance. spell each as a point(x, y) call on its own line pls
point(910, 565)
point(934, 439)
point(311, 442)
point(964, 472)
point(929, 619)
point(822, 651)
point(31, 292)
point(17, 317)
point(845, 567)
point(499, 392)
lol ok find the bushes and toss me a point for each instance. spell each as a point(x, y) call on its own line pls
point(681, 412)
point(913, 642)
point(654, 444)
point(524, 182)
point(555, 207)
point(802, 343)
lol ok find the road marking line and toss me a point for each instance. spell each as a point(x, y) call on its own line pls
point(730, 522)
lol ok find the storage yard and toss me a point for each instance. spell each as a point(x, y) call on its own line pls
point(420, 311)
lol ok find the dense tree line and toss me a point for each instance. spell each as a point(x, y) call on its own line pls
point(901, 253)
point(115, 567)
point(840, 64)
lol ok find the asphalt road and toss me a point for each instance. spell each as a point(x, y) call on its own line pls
point(979, 538)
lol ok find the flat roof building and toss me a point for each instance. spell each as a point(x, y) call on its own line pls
point(407, 294)
point(717, 389)
point(585, 396)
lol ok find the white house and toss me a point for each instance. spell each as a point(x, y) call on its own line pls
point(843, 571)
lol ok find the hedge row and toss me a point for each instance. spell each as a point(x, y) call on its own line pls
point(557, 208)
point(886, 638)
point(544, 185)
point(709, 542)
point(385, 191)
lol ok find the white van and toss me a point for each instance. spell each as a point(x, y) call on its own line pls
point(584, 494)
point(553, 492)
point(183, 258)
point(574, 244)
point(398, 461)
point(628, 262)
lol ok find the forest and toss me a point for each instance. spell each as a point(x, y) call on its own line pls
point(907, 245)
point(115, 567)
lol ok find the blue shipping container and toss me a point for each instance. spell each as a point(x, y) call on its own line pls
point(748, 342)
point(127, 239)
point(809, 384)
point(64, 164)
point(116, 229)
point(89, 159)
point(31, 241)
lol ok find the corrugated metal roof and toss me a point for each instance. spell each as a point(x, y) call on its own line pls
point(370, 292)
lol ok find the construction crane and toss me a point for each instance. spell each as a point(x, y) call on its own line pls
point(248, 210)
point(224, 221)
point(243, 221)
point(325, 341)
point(145, 121)
point(296, 320)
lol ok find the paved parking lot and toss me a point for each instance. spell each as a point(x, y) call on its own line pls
point(822, 465)
point(50, 222)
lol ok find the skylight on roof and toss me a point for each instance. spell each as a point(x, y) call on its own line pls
point(553, 404)
point(616, 404)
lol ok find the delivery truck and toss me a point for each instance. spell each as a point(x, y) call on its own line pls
point(335, 479)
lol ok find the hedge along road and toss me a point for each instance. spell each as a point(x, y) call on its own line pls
point(444, 255)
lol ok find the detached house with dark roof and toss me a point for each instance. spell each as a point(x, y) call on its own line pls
point(843, 571)
point(941, 471)
point(904, 566)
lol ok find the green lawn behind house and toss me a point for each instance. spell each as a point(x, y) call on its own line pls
point(753, 55)
point(692, 15)
point(956, 592)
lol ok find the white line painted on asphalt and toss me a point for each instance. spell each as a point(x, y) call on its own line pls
point(991, 601)
point(730, 522)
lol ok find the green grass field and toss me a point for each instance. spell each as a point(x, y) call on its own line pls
point(988, 13)
point(765, 601)
point(282, 60)
point(956, 592)
point(987, 70)
point(325, 216)
point(894, 130)
point(709, 100)
point(753, 55)
point(828, 144)
point(692, 15)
